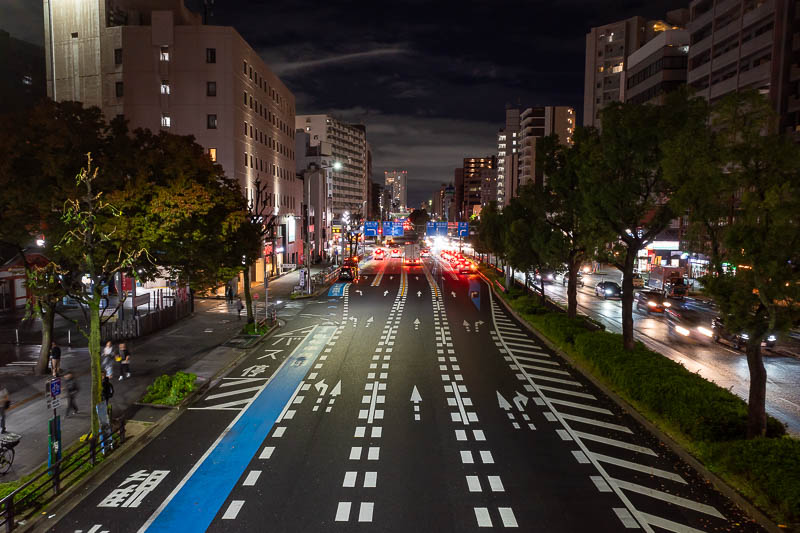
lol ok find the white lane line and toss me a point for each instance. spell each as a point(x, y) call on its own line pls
point(279, 432)
point(626, 518)
point(370, 480)
point(233, 510)
point(584, 420)
point(615, 442)
point(486, 457)
point(554, 380)
point(482, 516)
point(564, 434)
point(567, 392)
point(343, 512)
point(355, 453)
point(581, 457)
point(517, 351)
point(365, 511)
point(537, 361)
point(600, 483)
point(374, 453)
point(639, 468)
point(266, 453)
point(512, 343)
point(581, 406)
point(496, 484)
point(474, 484)
point(669, 525)
point(669, 498)
point(545, 369)
point(349, 479)
point(229, 406)
point(251, 478)
point(507, 516)
point(466, 457)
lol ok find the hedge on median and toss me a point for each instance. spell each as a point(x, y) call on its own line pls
point(706, 418)
point(170, 390)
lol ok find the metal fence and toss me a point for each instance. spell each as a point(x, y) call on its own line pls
point(37, 492)
point(141, 325)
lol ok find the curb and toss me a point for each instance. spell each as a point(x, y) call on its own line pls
point(756, 514)
point(72, 496)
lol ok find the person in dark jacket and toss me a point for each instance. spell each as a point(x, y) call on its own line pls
point(71, 385)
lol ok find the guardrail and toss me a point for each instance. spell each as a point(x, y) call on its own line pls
point(40, 490)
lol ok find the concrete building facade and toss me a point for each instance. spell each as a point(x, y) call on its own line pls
point(314, 164)
point(157, 65)
point(349, 147)
point(657, 68)
point(396, 181)
point(747, 44)
point(473, 172)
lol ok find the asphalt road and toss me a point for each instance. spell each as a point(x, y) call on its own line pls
point(716, 362)
point(407, 401)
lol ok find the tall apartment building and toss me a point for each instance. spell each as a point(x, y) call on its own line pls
point(473, 174)
point(488, 186)
point(397, 183)
point(658, 67)
point(349, 147)
point(747, 44)
point(516, 146)
point(162, 69)
point(314, 164)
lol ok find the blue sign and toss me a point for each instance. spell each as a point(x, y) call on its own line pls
point(430, 228)
point(463, 229)
point(387, 228)
point(371, 228)
point(441, 229)
point(55, 387)
point(337, 289)
point(397, 229)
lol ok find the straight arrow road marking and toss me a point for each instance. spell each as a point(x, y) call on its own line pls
point(416, 323)
point(419, 294)
point(504, 405)
point(416, 399)
point(369, 321)
point(466, 325)
point(385, 293)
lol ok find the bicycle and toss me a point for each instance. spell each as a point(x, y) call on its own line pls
point(8, 442)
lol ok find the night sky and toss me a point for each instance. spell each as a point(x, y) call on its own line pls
point(430, 80)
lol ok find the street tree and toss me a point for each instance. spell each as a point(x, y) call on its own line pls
point(625, 191)
point(759, 294)
point(491, 235)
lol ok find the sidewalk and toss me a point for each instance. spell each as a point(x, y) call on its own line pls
point(196, 343)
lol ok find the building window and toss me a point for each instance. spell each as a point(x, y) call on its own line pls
point(211, 122)
point(211, 55)
point(165, 121)
point(244, 63)
point(118, 88)
point(117, 56)
point(164, 86)
point(164, 53)
point(245, 159)
point(211, 88)
point(245, 98)
point(212, 154)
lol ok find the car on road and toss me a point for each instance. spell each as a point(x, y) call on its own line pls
point(409, 260)
point(549, 276)
point(638, 280)
point(378, 254)
point(395, 253)
point(651, 302)
point(578, 279)
point(738, 341)
point(608, 289)
point(689, 325)
point(425, 252)
point(465, 267)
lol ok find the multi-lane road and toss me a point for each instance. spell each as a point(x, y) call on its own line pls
point(716, 362)
point(409, 400)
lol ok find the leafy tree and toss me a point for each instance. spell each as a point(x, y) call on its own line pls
point(625, 191)
point(491, 234)
point(353, 231)
point(419, 218)
point(577, 233)
point(761, 241)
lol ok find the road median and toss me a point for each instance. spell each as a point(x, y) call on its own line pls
point(702, 422)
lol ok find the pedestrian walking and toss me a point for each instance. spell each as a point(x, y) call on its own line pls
point(239, 307)
point(5, 403)
point(229, 294)
point(107, 360)
point(71, 385)
point(106, 393)
point(55, 359)
point(125, 361)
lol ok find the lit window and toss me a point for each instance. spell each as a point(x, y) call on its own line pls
point(164, 53)
point(165, 121)
point(164, 87)
point(212, 154)
point(514, 134)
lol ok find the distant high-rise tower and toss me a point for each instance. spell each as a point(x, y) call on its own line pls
point(397, 182)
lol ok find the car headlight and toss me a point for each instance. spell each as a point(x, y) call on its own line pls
point(609, 291)
point(682, 330)
point(705, 331)
point(667, 304)
point(651, 303)
point(550, 277)
point(772, 338)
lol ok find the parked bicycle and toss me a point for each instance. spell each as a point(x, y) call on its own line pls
point(8, 442)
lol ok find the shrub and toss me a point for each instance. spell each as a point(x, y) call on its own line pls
point(170, 390)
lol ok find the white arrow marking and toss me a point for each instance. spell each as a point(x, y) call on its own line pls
point(453, 293)
point(415, 397)
point(466, 325)
point(419, 294)
point(359, 292)
point(503, 402)
point(385, 293)
point(321, 387)
point(416, 323)
point(520, 400)
point(270, 354)
point(369, 321)
point(337, 389)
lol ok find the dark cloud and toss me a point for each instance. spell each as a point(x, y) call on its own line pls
point(430, 79)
